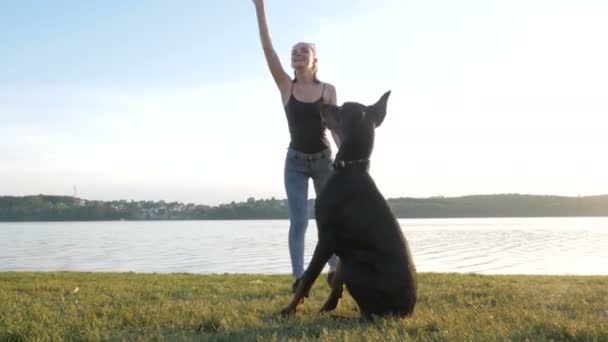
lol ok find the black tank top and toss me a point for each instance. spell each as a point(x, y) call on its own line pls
point(305, 127)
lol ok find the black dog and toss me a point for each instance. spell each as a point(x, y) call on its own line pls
point(355, 222)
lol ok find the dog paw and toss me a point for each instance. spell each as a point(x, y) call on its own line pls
point(329, 305)
point(288, 311)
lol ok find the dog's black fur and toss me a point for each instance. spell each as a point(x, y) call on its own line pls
point(355, 222)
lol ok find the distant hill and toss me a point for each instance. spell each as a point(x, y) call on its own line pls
point(66, 208)
point(503, 205)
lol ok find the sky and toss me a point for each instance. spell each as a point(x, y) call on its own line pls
point(173, 101)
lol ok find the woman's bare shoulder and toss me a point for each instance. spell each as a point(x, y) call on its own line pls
point(329, 95)
point(329, 86)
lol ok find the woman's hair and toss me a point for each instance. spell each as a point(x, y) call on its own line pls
point(315, 68)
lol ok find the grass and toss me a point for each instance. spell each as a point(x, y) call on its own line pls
point(451, 307)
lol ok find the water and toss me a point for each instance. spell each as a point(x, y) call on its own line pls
point(486, 246)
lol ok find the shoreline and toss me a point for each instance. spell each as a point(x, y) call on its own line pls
point(312, 219)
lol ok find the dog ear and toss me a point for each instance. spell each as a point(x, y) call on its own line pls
point(378, 110)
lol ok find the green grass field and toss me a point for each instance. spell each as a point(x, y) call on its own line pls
point(451, 307)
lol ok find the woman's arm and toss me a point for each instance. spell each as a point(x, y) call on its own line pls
point(281, 78)
point(332, 98)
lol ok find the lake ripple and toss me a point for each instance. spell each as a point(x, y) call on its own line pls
point(487, 246)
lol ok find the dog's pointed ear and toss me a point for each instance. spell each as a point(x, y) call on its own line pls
point(378, 110)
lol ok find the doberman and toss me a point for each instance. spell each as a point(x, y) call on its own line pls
point(355, 222)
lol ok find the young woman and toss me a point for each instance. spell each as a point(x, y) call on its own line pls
point(309, 152)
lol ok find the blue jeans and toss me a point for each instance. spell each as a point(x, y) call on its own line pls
point(299, 168)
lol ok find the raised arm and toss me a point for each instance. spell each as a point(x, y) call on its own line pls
point(281, 78)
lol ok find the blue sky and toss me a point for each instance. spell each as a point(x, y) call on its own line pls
point(173, 101)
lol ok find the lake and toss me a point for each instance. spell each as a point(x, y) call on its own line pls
point(569, 246)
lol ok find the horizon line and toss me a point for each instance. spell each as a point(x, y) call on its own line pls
point(312, 198)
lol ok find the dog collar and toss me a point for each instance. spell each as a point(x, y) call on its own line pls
point(341, 164)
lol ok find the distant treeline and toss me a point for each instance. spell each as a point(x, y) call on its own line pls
point(66, 208)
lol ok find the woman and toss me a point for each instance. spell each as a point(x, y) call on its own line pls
point(309, 152)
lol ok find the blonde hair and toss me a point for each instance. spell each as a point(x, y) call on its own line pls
point(315, 68)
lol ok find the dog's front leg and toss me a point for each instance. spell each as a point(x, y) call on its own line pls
point(323, 251)
point(336, 289)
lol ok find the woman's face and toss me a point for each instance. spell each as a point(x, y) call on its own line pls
point(303, 56)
